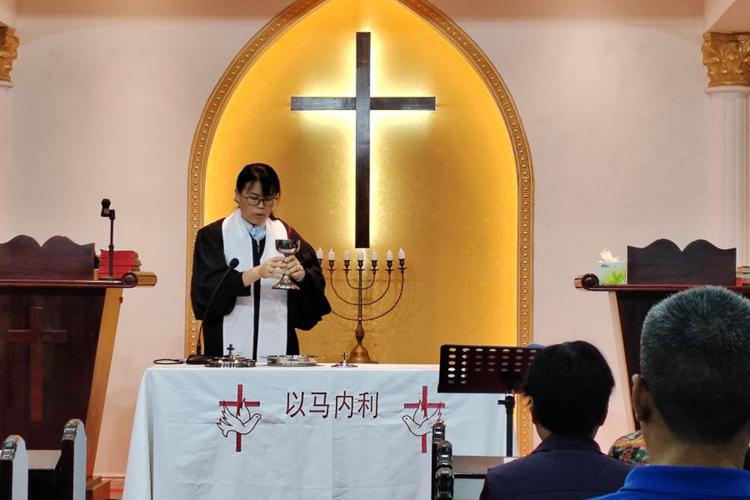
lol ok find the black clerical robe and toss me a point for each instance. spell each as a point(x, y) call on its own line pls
point(306, 306)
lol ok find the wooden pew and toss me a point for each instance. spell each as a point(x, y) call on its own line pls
point(14, 469)
point(60, 474)
point(71, 469)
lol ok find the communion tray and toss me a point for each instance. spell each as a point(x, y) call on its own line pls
point(292, 360)
point(230, 362)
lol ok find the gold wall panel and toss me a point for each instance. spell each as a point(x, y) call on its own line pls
point(452, 187)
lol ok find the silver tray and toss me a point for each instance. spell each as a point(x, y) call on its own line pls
point(230, 362)
point(292, 360)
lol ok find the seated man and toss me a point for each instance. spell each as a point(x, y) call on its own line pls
point(568, 386)
point(692, 398)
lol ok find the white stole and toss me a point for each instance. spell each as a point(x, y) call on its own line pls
point(272, 324)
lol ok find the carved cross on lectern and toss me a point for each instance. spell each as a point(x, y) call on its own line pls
point(362, 103)
point(35, 336)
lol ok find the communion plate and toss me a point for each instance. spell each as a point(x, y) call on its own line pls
point(292, 360)
point(230, 362)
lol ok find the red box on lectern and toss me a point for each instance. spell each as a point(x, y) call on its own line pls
point(125, 261)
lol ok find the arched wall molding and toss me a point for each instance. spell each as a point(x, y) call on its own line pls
point(499, 91)
point(525, 179)
point(207, 127)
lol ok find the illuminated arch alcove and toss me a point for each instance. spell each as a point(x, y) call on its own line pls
point(453, 187)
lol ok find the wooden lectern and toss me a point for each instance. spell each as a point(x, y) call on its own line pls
point(57, 331)
point(654, 273)
point(630, 304)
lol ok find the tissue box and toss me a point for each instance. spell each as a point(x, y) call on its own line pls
point(611, 273)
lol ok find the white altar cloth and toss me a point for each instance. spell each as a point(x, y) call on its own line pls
point(301, 433)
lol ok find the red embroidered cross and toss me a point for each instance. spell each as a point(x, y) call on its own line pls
point(238, 404)
point(422, 403)
point(35, 337)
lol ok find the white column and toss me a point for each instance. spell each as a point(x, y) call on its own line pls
point(4, 163)
point(727, 60)
point(729, 162)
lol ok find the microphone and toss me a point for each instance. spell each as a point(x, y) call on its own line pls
point(106, 211)
point(109, 213)
point(198, 358)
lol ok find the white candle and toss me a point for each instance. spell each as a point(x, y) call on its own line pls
point(401, 253)
point(389, 255)
point(346, 254)
point(374, 255)
point(319, 253)
point(331, 254)
point(360, 254)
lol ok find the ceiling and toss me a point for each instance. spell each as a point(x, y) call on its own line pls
point(727, 16)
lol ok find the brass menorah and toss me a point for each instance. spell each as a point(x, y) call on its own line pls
point(364, 281)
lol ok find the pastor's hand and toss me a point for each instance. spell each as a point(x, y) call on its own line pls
point(294, 269)
point(272, 268)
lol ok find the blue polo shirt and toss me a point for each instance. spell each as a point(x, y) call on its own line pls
point(560, 468)
point(687, 483)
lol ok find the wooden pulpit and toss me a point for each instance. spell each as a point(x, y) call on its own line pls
point(654, 273)
point(57, 331)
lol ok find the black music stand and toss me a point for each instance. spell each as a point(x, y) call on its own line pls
point(488, 370)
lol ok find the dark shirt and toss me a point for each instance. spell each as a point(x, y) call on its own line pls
point(688, 483)
point(560, 468)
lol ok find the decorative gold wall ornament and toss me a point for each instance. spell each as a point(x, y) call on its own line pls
point(482, 65)
point(727, 58)
point(8, 51)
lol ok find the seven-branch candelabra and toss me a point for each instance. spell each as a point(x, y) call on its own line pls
point(365, 281)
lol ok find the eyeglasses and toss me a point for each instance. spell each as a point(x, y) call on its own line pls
point(255, 200)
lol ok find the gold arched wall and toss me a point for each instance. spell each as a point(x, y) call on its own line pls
point(453, 187)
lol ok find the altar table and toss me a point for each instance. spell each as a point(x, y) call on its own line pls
point(299, 433)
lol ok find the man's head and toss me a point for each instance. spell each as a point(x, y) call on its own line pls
point(695, 366)
point(569, 385)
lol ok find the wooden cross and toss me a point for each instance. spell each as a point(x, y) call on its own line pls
point(362, 103)
point(35, 336)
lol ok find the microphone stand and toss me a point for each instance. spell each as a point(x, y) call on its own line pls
point(197, 358)
point(111, 270)
point(110, 213)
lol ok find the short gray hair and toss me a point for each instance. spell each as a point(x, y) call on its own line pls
point(695, 359)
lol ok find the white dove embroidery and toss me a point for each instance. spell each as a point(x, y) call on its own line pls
point(229, 422)
point(425, 426)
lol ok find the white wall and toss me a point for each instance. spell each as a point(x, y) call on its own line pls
point(8, 12)
point(616, 115)
point(106, 103)
point(4, 185)
point(108, 108)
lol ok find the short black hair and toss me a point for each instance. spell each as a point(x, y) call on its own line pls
point(695, 361)
point(570, 384)
point(259, 172)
